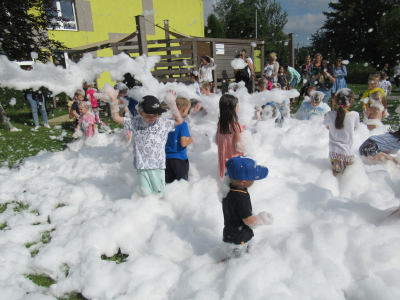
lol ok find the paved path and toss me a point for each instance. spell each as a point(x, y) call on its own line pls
point(59, 120)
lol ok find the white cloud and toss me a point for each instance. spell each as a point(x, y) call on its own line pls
point(304, 24)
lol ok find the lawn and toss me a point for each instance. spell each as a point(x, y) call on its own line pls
point(15, 146)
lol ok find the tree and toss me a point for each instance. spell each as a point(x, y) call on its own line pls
point(238, 20)
point(214, 28)
point(355, 30)
point(24, 26)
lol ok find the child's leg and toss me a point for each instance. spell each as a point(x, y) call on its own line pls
point(169, 172)
point(3, 116)
point(336, 166)
point(339, 165)
point(177, 169)
point(151, 181)
point(97, 116)
point(235, 251)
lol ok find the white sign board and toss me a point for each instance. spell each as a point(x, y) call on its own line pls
point(219, 49)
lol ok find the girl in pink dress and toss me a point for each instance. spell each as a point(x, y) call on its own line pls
point(229, 131)
point(86, 120)
point(90, 95)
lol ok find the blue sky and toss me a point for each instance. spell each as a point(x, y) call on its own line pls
point(305, 17)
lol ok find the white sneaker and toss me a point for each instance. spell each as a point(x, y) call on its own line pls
point(46, 125)
point(15, 129)
point(36, 127)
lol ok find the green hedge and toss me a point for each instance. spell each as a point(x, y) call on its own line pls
point(7, 94)
point(358, 73)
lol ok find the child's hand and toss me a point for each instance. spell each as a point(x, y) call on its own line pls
point(77, 134)
point(170, 97)
point(266, 217)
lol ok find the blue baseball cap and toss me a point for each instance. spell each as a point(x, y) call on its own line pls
point(245, 168)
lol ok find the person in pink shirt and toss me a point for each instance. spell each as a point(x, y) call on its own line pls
point(86, 121)
point(228, 137)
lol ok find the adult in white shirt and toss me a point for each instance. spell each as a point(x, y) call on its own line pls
point(272, 68)
point(252, 74)
point(207, 63)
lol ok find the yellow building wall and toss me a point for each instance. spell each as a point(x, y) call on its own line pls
point(118, 16)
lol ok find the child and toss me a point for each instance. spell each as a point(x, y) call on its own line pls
point(79, 96)
point(385, 84)
point(236, 206)
point(312, 107)
point(149, 135)
point(194, 78)
point(86, 120)
point(341, 125)
point(175, 149)
point(282, 78)
point(90, 95)
point(70, 102)
point(284, 106)
point(228, 137)
point(373, 82)
point(378, 148)
point(264, 84)
point(205, 88)
point(373, 114)
point(5, 120)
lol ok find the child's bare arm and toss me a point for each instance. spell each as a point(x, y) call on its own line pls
point(170, 101)
point(75, 114)
point(238, 142)
point(114, 106)
point(185, 141)
point(384, 102)
point(263, 218)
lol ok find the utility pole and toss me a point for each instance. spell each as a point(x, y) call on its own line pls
point(256, 22)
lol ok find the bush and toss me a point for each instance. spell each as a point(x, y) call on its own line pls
point(358, 73)
point(7, 94)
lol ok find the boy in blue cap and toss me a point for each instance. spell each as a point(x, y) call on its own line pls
point(238, 217)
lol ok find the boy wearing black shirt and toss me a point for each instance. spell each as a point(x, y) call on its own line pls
point(238, 217)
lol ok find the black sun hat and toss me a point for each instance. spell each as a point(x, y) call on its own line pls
point(151, 105)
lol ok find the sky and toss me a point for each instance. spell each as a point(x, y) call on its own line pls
point(305, 17)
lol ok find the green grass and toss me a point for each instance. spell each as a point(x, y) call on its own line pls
point(46, 238)
point(40, 280)
point(3, 207)
point(3, 225)
point(118, 258)
point(20, 207)
point(16, 146)
point(45, 281)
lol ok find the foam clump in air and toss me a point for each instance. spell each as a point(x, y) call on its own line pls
point(238, 63)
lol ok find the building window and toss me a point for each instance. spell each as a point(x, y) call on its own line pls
point(63, 16)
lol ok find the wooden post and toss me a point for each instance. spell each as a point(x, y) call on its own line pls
point(194, 54)
point(262, 59)
point(166, 27)
point(254, 67)
point(213, 55)
point(291, 50)
point(141, 28)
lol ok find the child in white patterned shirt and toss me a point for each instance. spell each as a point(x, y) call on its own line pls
point(149, 135)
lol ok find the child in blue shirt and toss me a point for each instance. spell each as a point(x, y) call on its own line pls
point(177, 164)
point(313, 108)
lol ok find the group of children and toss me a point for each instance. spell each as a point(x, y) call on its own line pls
point(160, 156)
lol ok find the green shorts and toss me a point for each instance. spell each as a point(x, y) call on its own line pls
point(151, 181)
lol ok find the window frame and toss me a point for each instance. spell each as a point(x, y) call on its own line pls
point(61, 24)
